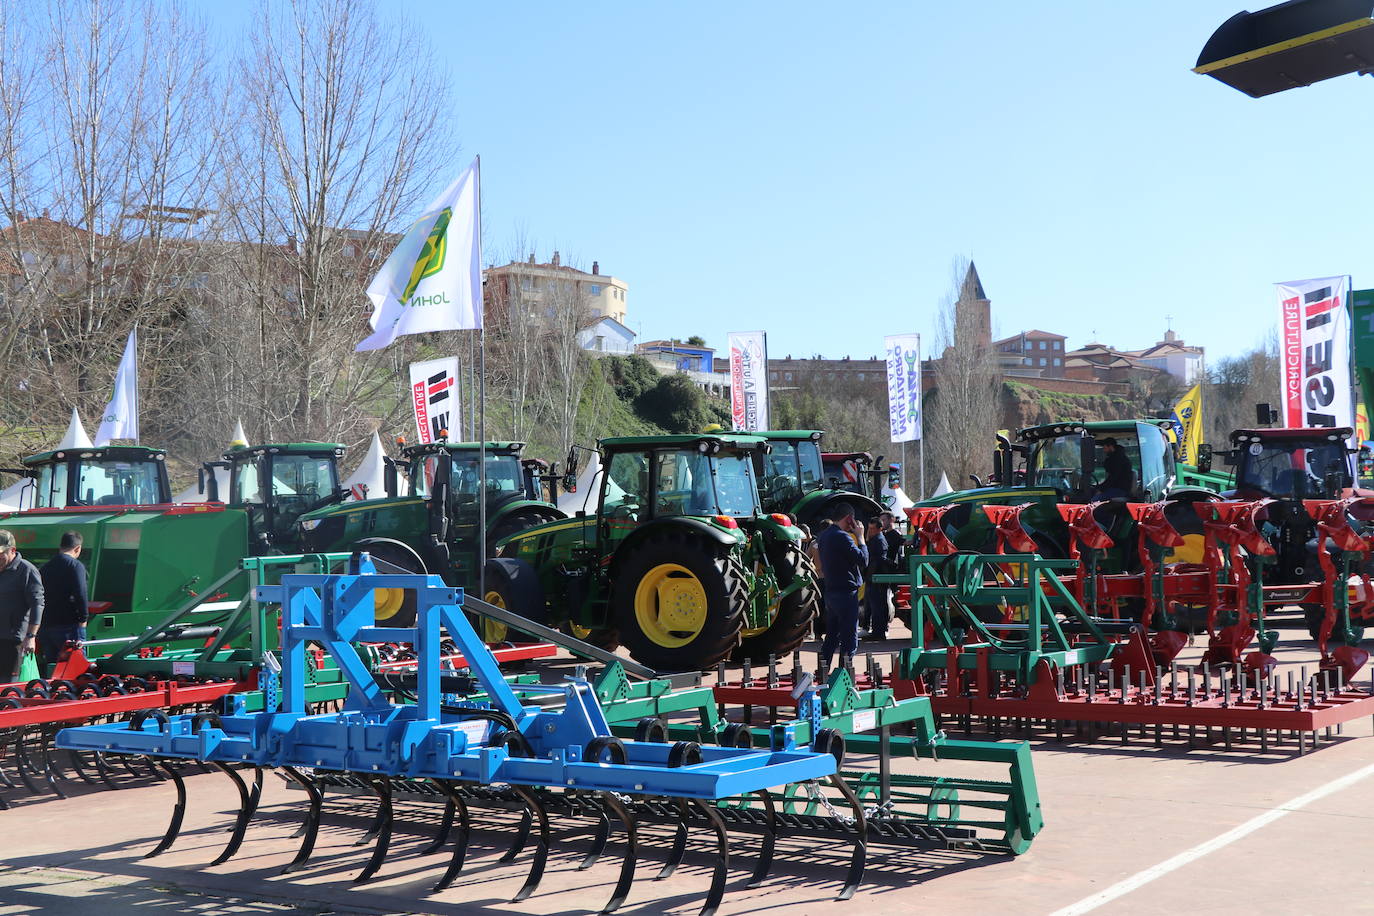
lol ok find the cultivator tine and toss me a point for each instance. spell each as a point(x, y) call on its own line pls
point(679, 848)
point(460, 850)
point(522, 836)
point(79, 767)
point(178, 812)
point(718, 876)
point(627, 866)
point(603, 834)
point(22, 764)
point(246, 809)
point(445, 827)
point(769, 839)
point(856, 864)
point(381, 829)
point(541, 848)
point(311, 828)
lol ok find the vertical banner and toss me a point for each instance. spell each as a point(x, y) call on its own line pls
point(1315, 353)
point(120, 420)
point(434, 395)
point(1187, 420)
point(749, 380)
point(904, 386)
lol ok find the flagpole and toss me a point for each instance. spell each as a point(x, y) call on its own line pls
point(481, 413)
point(135, 398)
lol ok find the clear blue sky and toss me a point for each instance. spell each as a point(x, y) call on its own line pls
point(812, 169)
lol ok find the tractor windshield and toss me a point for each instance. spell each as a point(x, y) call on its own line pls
point(300, 482)
point(505, 477)
point(791, 470)
point(690, 483)
point(1292, 468)
point(115, 483)
point(1056, 462)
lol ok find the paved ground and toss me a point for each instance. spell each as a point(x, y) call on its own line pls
point(1199, 830)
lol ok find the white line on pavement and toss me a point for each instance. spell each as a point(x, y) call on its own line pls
point(1121, 888)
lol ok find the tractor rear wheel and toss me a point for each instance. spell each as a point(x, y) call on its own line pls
point(512, 585)
point(395, 607)
point(792, 616)
point(678, 602)
point(601, 637)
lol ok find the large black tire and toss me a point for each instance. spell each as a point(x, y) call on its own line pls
point(603, 638)
point(795, 613)
point(710, 590)
point(515, 524)
point(389, 556)
point(513, 585)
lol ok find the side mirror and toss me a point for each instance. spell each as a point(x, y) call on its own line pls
point(570, 483)
point(571, 462)
point(389, 481)
point(1265, 415)
point(1204, 457)
point(200, 480)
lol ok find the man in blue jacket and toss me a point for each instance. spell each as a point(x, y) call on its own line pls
point(843, 560)
point(65, 601)
point(21, 607)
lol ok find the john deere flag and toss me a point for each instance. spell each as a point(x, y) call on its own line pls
point(434, 395)
point(1187, 419)
point(749, 380)
point(1315, 339)
point(433, 280)
point(120, 420)
point(904, 386)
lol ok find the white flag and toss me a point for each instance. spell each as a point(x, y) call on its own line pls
point(749, 380)
point(120, 420)
point(1315, 353)
point(433, 280)
point(434, 396)
point(903, 386)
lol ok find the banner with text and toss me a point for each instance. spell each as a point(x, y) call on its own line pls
point(1187, 421)
point(904, 386)
point(434, 395)
point(749, 380)
point(1315, 353)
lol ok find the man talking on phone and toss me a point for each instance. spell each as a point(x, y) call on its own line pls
point(843, 560)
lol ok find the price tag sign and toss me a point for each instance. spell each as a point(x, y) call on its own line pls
point(865, 720)
point(183, 668)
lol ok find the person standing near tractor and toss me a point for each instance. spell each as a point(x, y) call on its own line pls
point(884, 549)
point(65, 599)
point(843, 561)
point(21, 607)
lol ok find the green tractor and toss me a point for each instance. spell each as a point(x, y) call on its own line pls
point(792, 480)
point(679, 562)
point(435, 528)
point(1062, 463)
point(146, 556)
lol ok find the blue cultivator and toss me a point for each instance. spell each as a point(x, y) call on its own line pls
point(490, 751)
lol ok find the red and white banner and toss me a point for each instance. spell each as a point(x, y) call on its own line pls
point(1315, 353)
point(749, 380)
point(434, 395)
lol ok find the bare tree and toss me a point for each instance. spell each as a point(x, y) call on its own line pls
point(1235, 386)
point(961, 416)
point(342, 138)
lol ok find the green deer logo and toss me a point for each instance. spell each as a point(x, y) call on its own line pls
point(431, 259)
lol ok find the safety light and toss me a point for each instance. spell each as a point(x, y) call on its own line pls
point(782, 519)
point(726, 521)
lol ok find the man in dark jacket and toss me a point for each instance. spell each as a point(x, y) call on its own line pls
point(1120, 479)
point(884, 547)
point(65, 602)
point(21, 607)
point(843, 560)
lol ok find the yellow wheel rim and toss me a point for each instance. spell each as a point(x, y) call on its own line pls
point(670, 605)
point(387, 603)
point(494, 631)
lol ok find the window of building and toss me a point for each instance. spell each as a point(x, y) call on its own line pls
point(772, 376)
point(1058, 344)
point(787, 376)
point(1042, 344)
point(594, 289)
point(1043, 361)
point(1056, 361)
point(527, 282)
point(861, 376)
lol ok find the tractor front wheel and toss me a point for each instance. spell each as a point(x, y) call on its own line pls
point(394, 607)
point(791, 618)
point(512, 585)
point(679, 603)
point(601, 637)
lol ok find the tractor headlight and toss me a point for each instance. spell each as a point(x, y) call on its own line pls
point(310, 524)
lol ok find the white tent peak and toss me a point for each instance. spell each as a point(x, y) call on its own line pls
point(370, 473)
point(75, 436)
point(944, 486)
point(239, 439)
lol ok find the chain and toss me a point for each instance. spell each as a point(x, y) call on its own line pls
point(814, 793)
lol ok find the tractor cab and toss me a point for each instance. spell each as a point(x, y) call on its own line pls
point(507, 478)
point(130, 475)
point(793, 478)
point(277, 484)
point(650, 478)
point(1072, 459)
point(1291, 464)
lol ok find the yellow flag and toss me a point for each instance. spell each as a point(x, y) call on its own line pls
point(1361, 423)
point(1187, 419)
